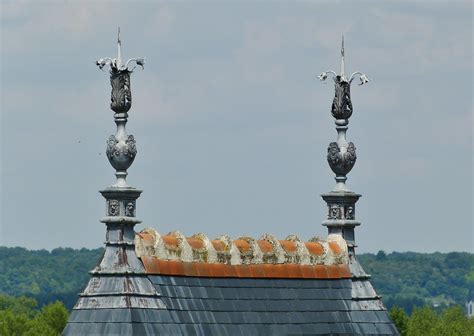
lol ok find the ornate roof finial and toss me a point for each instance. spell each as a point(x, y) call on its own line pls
point(341, 154)
point(119, 280)
point(121, 148)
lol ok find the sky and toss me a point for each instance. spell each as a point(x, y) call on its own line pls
point(232, 126)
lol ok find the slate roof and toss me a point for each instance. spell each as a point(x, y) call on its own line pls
point(326, 295)
point(225, 306)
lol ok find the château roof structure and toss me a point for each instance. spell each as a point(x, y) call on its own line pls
point(148, 283)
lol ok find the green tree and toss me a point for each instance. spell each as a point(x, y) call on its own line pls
point(12, 324)
point(454, 322)
point(19, 317)
point(18, 305)
point(381, 255)
point(55, 315)
point(423, 322)
point(38, 327)
point(400, 318)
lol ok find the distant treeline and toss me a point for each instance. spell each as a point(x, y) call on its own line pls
point(46, 276)
point(416, 279)
point(403, 279)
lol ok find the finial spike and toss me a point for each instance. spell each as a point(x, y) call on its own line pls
point(119, 51)
point(342, 45)
point(342, 59)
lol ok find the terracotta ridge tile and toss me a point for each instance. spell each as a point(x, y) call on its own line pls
point(265, 246)
point(314, 248)
point(280, 271)
point(219, 245)
point(242, 245)
point(288, 245)
point(335, 248)
point(170, 240)
point(195, 243)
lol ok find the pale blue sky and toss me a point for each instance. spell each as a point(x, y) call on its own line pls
point(231, 124)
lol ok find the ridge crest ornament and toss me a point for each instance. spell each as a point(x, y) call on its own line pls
point(342, 154)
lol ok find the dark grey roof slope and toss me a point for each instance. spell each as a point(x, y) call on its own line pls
point(236, 306)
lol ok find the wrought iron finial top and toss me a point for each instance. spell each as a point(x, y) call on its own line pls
point(116, 64)
point(342, 106)
point(121, 99)
point(342, 76)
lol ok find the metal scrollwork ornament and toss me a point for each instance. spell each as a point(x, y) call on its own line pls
point(341, 164)
point(334, 155)
point(121, 95)
point(131, 147)
point(112, 148)
point(350, 156)
point(341, 105)
point(121, 153)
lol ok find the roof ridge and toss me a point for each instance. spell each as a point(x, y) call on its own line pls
point(245, 250)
